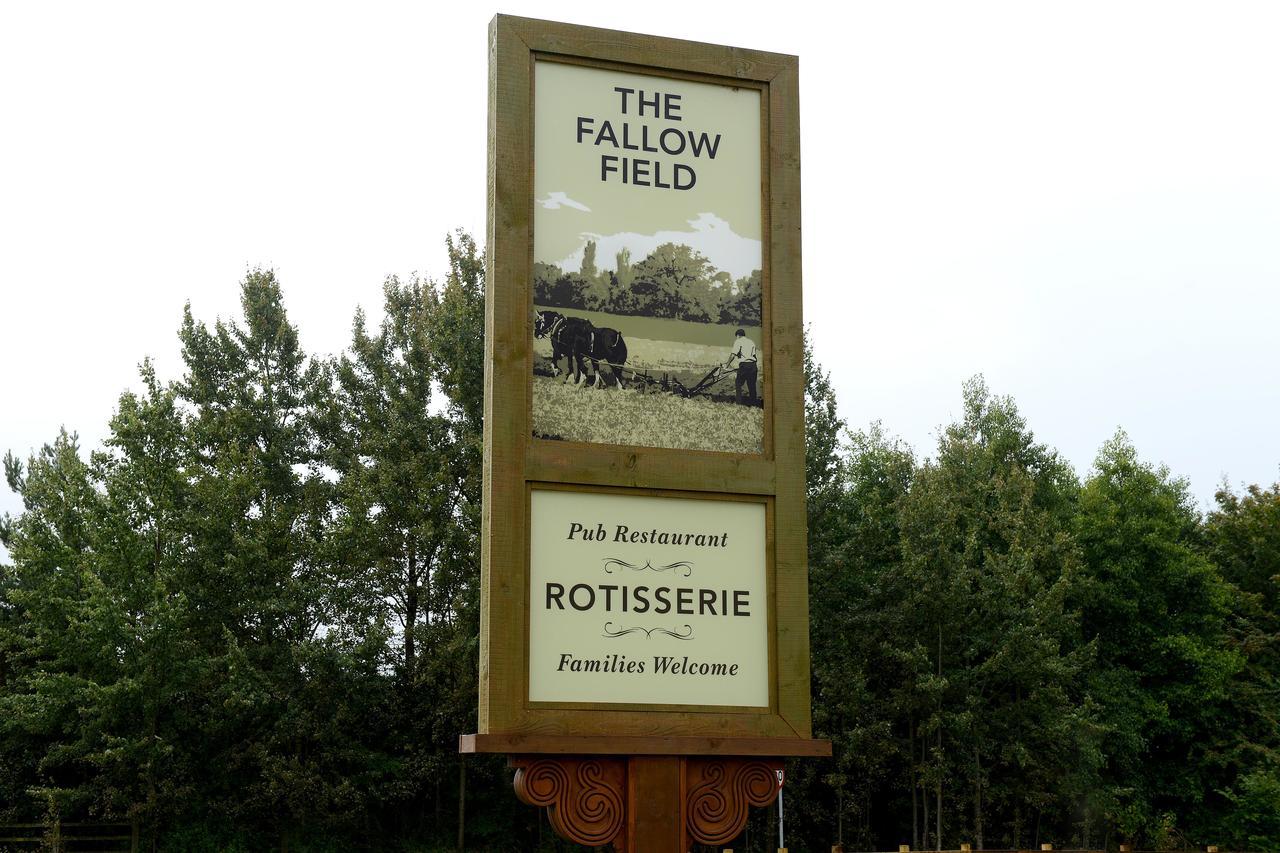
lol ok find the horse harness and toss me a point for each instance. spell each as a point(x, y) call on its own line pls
point(555, 329)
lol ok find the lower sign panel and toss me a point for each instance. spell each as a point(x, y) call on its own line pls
point(647, 600)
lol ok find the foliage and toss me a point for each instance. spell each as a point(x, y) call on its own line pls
point(988, 638)
point(1243, 540)
point(250, 620)
point(673, 281)
point(856, 483)
point(1156, 609)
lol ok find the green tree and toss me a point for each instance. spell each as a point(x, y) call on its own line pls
point(1155, 608)
point(855, 544)
point(51, 665)
point(623, 273)
point(456, 329)
point(288, 689)
point(398, 488)
point(997, 724)
point(742, 302)
point(186, 633)
point(142, 537)
point(588, 268)
point(403, 530)
point(597, 293)
point(111, 652)
point(1243, 539)
point(665, 282)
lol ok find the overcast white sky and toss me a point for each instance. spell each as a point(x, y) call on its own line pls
point(1079, 200)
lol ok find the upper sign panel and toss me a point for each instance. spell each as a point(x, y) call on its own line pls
point(647, 281)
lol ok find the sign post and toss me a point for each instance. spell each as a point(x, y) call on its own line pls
point(781, 843)
point(644, 611)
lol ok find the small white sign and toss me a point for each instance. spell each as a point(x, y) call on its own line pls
point(647, 600)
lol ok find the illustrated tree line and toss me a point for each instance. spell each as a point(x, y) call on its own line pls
point(250, 620)
point(674, 281)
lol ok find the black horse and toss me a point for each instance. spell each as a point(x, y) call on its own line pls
point(607, 346)
point(569, 336)
point(576, 338)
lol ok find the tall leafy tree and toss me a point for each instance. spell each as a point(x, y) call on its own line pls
point(456, 329)
point(143, 714)
point(288, 688)
point(1155, 608)
point(51, 663)
point(401, 471)
point(1243, 539)
point(998, 724)
point(399, 477)
point(121, 652)
point(404, 439)
point(858, 678)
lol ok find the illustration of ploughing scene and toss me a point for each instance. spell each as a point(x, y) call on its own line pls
point(647, 255)
point(659, 352)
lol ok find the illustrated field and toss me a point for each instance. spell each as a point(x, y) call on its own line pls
point(611, 416)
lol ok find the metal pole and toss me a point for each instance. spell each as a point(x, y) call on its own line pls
point(780, 844)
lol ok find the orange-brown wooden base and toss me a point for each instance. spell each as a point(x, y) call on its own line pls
point(646, 803)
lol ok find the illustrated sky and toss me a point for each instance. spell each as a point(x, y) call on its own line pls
point(1081, 202)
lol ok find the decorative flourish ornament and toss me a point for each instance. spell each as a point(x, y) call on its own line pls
point(686, 634)
point(683, 567)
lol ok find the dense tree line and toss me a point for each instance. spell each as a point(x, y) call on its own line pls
point(1007, 655)
point(250, 620)
point(673, 281)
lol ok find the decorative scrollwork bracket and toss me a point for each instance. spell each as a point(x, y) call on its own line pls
point(583, 795)
point(587, 797)
point(721, 792)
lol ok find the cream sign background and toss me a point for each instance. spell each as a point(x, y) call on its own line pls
point(647, 600)
point(669, 132)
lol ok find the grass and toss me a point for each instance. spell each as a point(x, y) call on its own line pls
point(610, 416)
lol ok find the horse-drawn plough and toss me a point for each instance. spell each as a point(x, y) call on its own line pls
point(672, 385)
point(579, 342)
point(648, 383)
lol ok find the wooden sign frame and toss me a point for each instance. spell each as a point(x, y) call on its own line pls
point(516, 463)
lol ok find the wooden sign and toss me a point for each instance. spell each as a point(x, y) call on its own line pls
point(644, 566)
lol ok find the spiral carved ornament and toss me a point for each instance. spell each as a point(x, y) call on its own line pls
point(721, 791)
point(583, 796)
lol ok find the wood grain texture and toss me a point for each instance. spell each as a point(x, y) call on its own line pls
point(655, 804)
point(514, 461)
point(646, 802)
point(584, 797)
point(507, 356)
point(648, 467)
point(792, 602)
point(784, 747)
point(720, 793)
point(653, 52)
